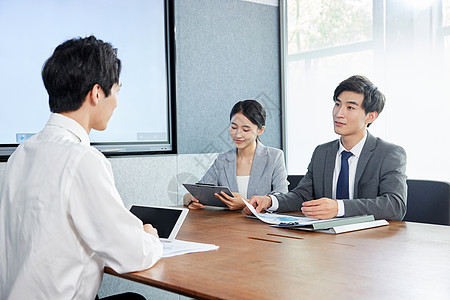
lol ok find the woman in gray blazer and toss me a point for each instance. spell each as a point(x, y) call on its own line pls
point(249, 169)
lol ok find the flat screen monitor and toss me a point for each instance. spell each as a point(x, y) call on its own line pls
point(143, 33)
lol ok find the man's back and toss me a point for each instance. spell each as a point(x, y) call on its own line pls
point(51, 218)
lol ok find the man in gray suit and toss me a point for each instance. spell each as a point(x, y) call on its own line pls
point(354, 175)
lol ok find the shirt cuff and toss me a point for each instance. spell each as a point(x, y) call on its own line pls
point(275, 204)
point(341, 208)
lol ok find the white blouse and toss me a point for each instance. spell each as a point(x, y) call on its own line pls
point(242, 182)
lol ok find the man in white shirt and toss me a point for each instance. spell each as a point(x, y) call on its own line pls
point(61, 218)
point(354, 175)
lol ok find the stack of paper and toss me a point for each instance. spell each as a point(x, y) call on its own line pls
point(178, 247)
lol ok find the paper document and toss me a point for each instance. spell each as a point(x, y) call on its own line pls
point(283, 219)
point(178, 247)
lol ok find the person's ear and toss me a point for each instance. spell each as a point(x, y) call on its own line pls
point(95, 94)
point(370, 117)
point(261, 130)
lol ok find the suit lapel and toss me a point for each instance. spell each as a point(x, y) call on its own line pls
point(366, 154)
point(230, 170)
point(258, 165)
point(330, 162)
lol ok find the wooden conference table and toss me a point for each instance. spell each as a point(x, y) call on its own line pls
point(255, 261)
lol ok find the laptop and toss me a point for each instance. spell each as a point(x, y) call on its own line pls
point(167, 220)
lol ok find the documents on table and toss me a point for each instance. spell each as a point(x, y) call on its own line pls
point(178, 247)
point(334, 225)
point(283, 219)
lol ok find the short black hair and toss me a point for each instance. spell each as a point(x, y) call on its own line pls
point(374, 100)
point(75, 67)
point(252, 110)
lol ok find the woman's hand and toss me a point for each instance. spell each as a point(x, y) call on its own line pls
point(233, 203)
point(191, 202)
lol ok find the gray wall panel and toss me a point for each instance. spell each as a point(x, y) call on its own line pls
point(226, 51)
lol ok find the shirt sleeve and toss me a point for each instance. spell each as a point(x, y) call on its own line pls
point(275, 204)
point(341, 208)
point(103, 223)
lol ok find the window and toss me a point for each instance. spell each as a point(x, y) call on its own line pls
point(402, 46)
point(446, 13)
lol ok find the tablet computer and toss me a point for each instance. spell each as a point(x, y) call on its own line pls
point(205, 193)
point(167, 220)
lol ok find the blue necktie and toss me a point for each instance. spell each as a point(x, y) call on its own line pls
point(342, 183)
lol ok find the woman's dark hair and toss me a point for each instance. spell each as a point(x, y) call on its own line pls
point(75, 67)
point(252, 110)
point(373, 99)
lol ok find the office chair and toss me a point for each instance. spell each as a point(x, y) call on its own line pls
point(428, 202)
point(293, 181)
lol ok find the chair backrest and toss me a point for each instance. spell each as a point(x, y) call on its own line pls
point(293, 181)
point(428, 202)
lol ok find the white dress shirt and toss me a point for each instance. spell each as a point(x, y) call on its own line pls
point(352, 164)
point(62, 219)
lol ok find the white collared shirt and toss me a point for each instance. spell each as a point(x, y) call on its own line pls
point(62, 219)
point(352, 164)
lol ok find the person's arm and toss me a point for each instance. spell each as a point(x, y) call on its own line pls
point(279, 184)
point(102, 222)
point(260, 203)
point(279, 177)
point(210, 177)
point(391, 186)
point(292, 201)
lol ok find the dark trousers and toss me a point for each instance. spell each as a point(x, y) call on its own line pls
point(124, 296)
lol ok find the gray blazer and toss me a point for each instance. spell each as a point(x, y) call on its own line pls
point(380, 180)
point(268, 174)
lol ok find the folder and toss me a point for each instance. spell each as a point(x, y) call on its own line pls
point(337, 225)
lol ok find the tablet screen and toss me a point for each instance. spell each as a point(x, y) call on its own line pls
point(165, 219)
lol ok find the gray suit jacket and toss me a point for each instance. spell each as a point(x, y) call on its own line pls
point(268, 174)
point(380, 180)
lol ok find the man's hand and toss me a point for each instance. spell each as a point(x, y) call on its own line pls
point(233, 203)
point(260, 203)
point(323, 208)
point(150, 229)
